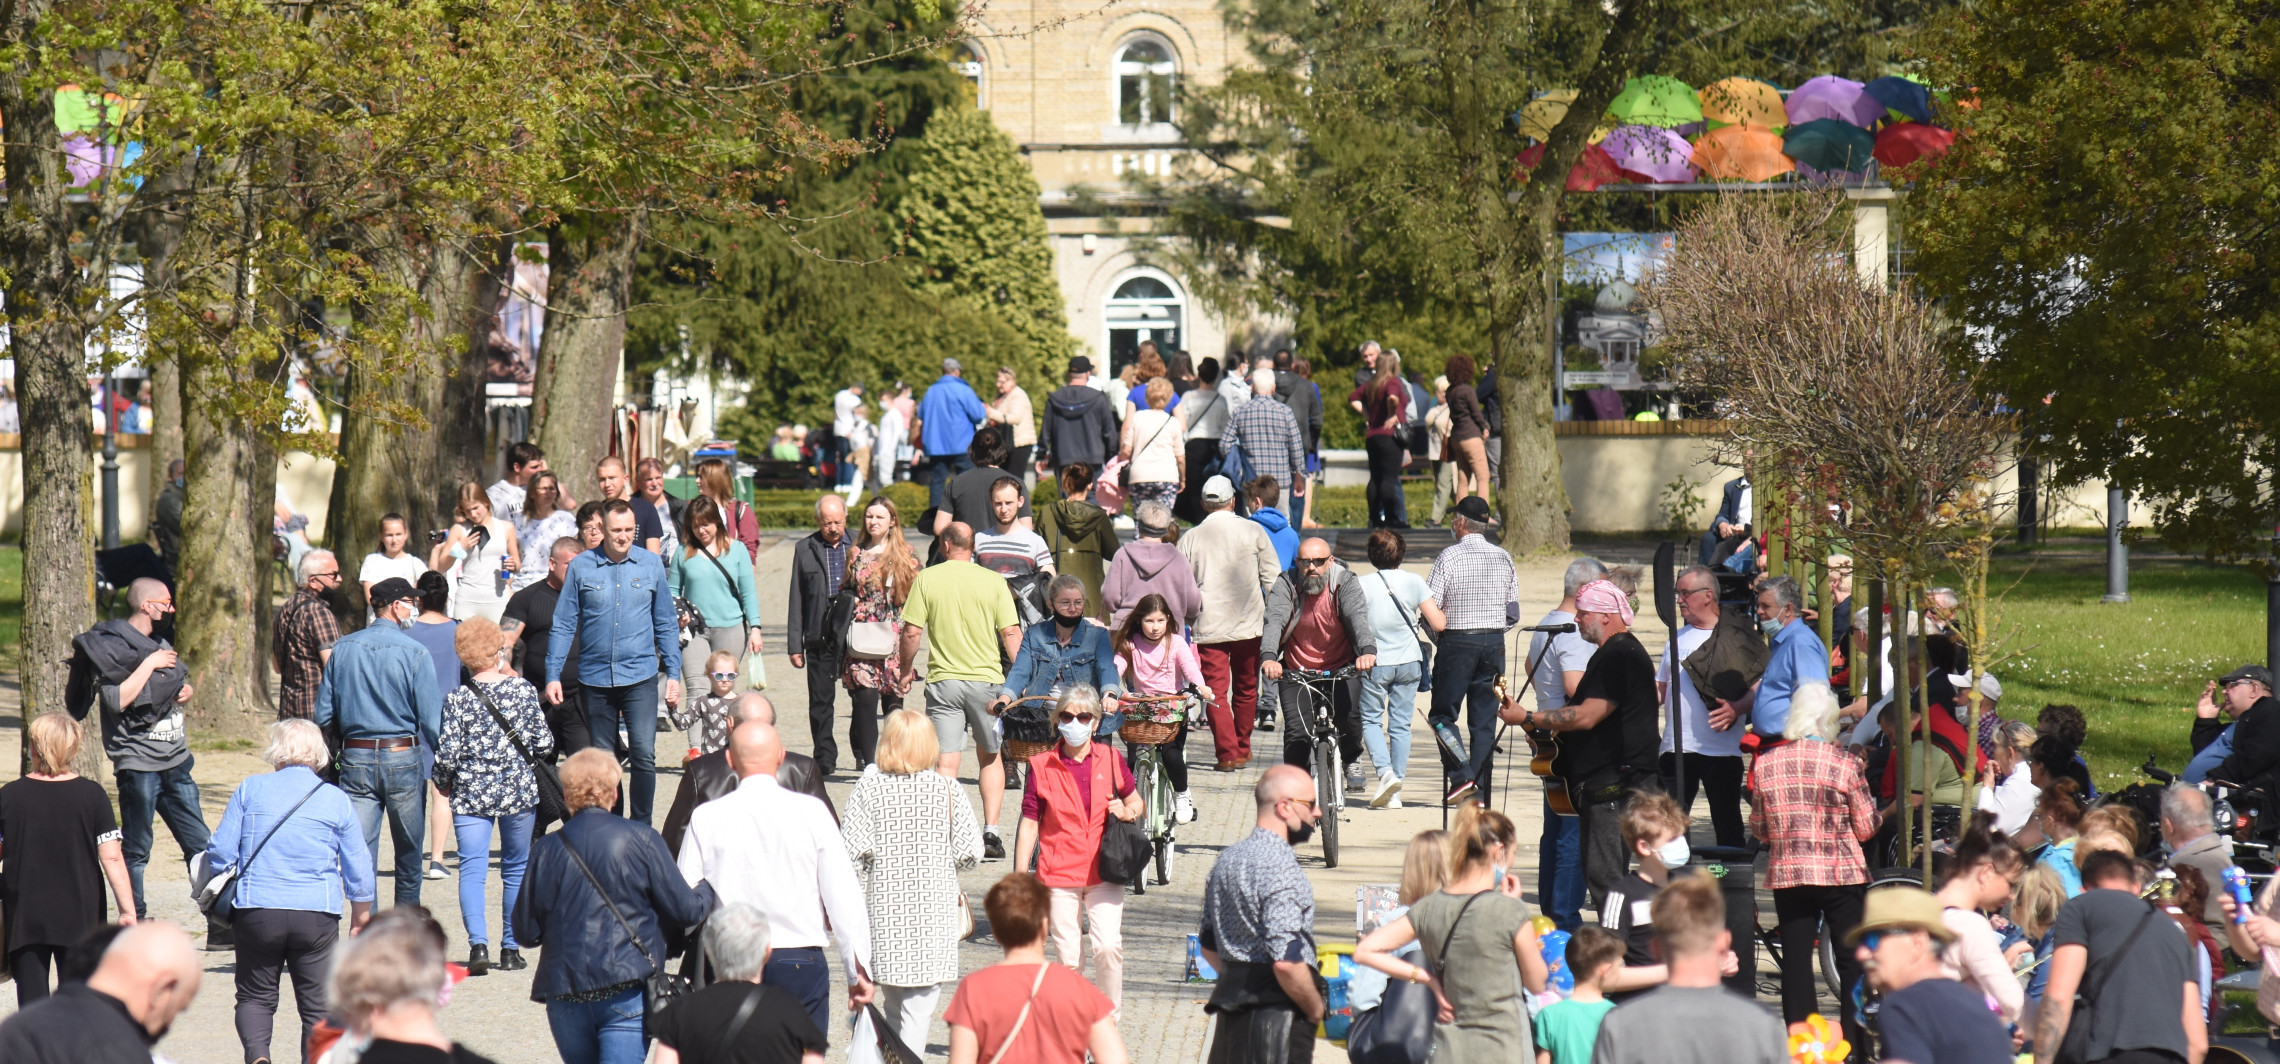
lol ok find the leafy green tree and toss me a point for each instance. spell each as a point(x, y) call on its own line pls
point(2107, 226)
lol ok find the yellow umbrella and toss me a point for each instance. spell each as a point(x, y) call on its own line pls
point(1741, 153)
point(1544, 112)
point(1743, 102)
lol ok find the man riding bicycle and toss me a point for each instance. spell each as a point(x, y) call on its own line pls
point(1319, 620)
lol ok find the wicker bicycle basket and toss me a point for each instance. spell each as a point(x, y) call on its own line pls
point(1147, 732)
point(1028, 730)
point(1023, 749)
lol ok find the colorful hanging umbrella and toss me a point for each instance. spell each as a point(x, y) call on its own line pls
point(1651, 153)
point(1655, 100)
point(1901, 98)
point(1827, 144)
point(1739, 153)
point(1903, 143)
point(1829, 96)
point(1544, 112)
point(1594, 169)
point(1743, 102)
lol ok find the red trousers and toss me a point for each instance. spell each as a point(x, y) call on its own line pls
point(1233, 664)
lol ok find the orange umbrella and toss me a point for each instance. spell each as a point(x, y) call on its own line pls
point(1743, 102)
point(1740, 153)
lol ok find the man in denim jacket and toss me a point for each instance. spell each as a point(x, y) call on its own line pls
point(616, 606)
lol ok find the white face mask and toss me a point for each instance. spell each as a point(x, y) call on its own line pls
point(1675, 853)
point(1076, 732)
point(1770, 627)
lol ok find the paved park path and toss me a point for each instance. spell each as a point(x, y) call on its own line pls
point(1163, 1018)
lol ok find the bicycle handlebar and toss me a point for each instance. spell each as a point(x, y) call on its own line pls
point(1343, 672)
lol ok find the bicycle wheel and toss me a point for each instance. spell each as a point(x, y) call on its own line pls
point(1827, 952)
point(1164, 851)
point(1146, 771)
point(1326, 787)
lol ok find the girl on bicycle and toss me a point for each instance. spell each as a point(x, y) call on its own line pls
point(1157, 660)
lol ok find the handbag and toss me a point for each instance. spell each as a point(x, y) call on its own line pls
point(1124, 851)
point(965, 904)
point(2074, 1046)
point(1023, 1019)
point(659, 990)
point(216, 892)
point(870, 640)
point(1400, 1029)
point(1424, 647)
point(551, 805)
point(891, 1046)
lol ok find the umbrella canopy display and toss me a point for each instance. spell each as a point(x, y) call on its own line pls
point(1901, 98)
point(1655, 100)
point(1827, 144)
point(1740, 153)
point(1902, 143)
point(1743, 102)
point(1652, 153)
point(1544, 112)
point(1829, 96)
point(1593, 169)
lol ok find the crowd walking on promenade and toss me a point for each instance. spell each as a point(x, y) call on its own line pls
point(501, 702)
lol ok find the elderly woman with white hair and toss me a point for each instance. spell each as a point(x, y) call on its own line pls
point(1812, 807)
point(298, 851)
point(738, 1018)
point(386, 990)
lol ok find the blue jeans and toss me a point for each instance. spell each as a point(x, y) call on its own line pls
point(805, 974)
point(171, 794)
point(636, 704)
point(475, 866)
point(599, 1032)
point(391, 780)
point(1559, 869)
point(940, 468)
point(1389, 698)
point(1465, 670)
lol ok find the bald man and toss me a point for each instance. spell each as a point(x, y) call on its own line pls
point(819, 567)
point(781, 853)
point(147, 977)
point(711, 776)
point(1258, 930)
point(128, 667)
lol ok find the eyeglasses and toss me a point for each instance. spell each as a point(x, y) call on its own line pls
point(1685, 592)
point(1070, 718)
point(724, 676)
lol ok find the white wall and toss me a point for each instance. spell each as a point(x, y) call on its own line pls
point(304, 480)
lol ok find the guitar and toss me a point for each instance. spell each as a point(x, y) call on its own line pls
point(1543, 749)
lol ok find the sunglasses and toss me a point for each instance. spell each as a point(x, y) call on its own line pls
point(1309, 563)
point(1068, 718)
point(1307, 802)
point(724, 676)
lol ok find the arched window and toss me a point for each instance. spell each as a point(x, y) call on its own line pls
point(970, 67)
point(1145, 82)
point(1143, 306)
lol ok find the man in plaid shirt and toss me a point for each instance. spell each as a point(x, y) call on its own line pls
point(1479, 593)
point(1269, 436)
point(306, 632)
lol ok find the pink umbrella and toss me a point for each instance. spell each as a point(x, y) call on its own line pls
point(1659, 154)
point(81, 159)
point(1829, 96)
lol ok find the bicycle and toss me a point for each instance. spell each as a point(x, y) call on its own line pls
point(1315, 713)
point(1150, 721)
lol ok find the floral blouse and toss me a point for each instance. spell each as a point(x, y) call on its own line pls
point(485, 773)
point(874, 603)
point(538, 535)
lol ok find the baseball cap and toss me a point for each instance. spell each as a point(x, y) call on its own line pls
point(1218, 489)
point(391, 591)
point(2258, 673)
point(1474, 508)
point(1900, 908)
point(1080, 364)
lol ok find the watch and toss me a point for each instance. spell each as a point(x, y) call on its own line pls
point(1528, 719)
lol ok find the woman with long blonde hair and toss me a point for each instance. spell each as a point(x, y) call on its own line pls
point(881, 571)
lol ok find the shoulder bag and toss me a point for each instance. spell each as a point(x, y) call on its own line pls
point(1124, 847)
point(2074, 1046)
point(1400, 1029)
point(659, 990)
point(965, 905)
point(551, 806)
point(1023, 1019)
point(216, 892)
point(873, 640)
point(755, 669)
point(1424, 647)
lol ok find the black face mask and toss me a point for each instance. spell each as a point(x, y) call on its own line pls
point(1301, 832)
point(162, 629)
point(1067, 623)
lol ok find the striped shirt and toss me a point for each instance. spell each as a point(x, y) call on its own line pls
point(1475, 584)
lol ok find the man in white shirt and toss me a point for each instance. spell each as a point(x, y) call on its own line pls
point(1713, 753)
point(524, 461)
point(780, 852)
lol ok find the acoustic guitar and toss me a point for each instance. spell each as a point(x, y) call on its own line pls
point(1543, 749)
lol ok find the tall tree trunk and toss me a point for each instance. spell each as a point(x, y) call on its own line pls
point(590, 262)
point(165, 421)
point(462, 434)
point(156, 235)
point(1535, 500)
point(48, 340)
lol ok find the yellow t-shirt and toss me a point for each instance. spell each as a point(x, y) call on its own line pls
point(962, 606)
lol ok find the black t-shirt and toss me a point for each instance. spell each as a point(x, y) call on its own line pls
point(1629, 913)
point(968, 497)
point(779, 1031)
point(1625, 740)
point(75, 1025)
point(52, 885)
point(646, 525)
point(383, 1051)
point(533, 606)
point(2137, 1008)
point(1941, 1021)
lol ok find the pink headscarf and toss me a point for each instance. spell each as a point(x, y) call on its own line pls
point(1602, 596)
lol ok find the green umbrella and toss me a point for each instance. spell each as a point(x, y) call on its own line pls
point(1829, 144)
point(1655, 100)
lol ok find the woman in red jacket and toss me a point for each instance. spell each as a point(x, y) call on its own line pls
point(1070, 793)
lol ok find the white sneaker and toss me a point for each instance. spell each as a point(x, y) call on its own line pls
point(1183, 808)
point(1357, 779)
point(1393, 803)
point(1388, 788)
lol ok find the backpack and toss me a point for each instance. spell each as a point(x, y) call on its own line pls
point(1236, 466)
point(1029, 600)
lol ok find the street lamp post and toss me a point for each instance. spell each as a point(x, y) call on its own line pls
point(110, 461)
point(2117, 552)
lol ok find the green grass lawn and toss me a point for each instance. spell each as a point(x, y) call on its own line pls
point(2134, 668)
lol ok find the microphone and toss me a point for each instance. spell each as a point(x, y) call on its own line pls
point(1568, 627)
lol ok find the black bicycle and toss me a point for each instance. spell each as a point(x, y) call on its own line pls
point(1315, 712)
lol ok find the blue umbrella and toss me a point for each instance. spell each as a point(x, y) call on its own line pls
point(1902, 97)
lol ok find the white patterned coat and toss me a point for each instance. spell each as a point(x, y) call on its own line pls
point(909, 836)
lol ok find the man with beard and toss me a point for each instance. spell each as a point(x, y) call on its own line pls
point(1319, 620)
point(1617, 727)
point(306, 632)
point(1258, 930)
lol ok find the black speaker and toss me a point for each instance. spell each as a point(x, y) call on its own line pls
point(1666, 584)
